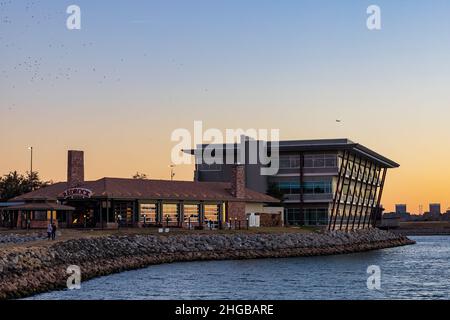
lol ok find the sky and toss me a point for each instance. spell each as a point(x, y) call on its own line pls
point(138, 70)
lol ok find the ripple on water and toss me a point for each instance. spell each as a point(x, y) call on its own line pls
point(420, 271)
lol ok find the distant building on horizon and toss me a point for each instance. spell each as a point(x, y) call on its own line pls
point(446, 216)
point(400, 213)
point(434, 213)
point(435, 209)
point(400, 209)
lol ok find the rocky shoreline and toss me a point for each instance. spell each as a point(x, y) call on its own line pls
point(12, 238)
point(25, 271)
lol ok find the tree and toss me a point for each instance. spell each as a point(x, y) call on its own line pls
point(15, 184)
point(140, 176)
point(11, 185)
point(33, 182)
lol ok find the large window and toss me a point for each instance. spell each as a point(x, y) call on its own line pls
point(211, 212)
point(316, 217)
point(148, 213)
point(292, 216)
point(170, 213)
point(290, 161)
point(309, 217)
point(320, 161)
point(191, 211)
point(317, 187)
point(289, 187)
point(313, 187)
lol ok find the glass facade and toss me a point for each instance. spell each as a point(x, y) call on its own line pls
point(320, 161)
point(289, 187)
point(317, 187)
point(289, 161)
point(308, 217)
point(312, 187)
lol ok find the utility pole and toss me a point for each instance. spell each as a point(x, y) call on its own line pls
point(31, 167)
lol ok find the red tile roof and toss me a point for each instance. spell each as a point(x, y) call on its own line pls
point(118, 188)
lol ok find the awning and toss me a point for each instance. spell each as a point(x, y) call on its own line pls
point(44, 206)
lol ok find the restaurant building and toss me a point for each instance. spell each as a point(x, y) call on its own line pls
point(113, 202)
point(335, 183)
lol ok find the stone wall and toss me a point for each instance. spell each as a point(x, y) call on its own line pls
point(26, 271)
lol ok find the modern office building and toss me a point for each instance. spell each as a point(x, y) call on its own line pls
point(107, 202)
point(335, 183)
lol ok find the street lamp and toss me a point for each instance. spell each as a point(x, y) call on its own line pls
point(31, 167)
point(31, 159)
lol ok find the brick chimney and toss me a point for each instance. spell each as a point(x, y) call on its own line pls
point(75, 168)
point(238, 181)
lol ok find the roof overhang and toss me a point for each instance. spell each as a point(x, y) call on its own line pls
point(317, 146)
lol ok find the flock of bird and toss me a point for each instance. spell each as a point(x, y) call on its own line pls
point(48, 62)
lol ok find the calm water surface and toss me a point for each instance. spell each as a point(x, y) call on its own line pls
point(421, 271)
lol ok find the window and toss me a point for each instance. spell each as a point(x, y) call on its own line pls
point(170, 213)
point(191, 211)
point(125, 211)
point(315, 217)
point(317, 187)
point(148, 213)
point(211, 212)
point(313, 187)
point(289, 187)
point(290, 161)
point(309, 217)
point(330, 161)
point(320, 161)
point(292, 216)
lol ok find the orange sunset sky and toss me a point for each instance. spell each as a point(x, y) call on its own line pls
point(118, 87)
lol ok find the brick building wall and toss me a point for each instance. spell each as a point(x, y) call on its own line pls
point(75, 168)
point(236, 210)
point(238, 181)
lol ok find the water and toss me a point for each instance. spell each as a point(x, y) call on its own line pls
point(421, 271)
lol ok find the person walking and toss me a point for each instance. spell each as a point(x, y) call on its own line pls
point(53, 231)
point(119, 221)
point(49, 230)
